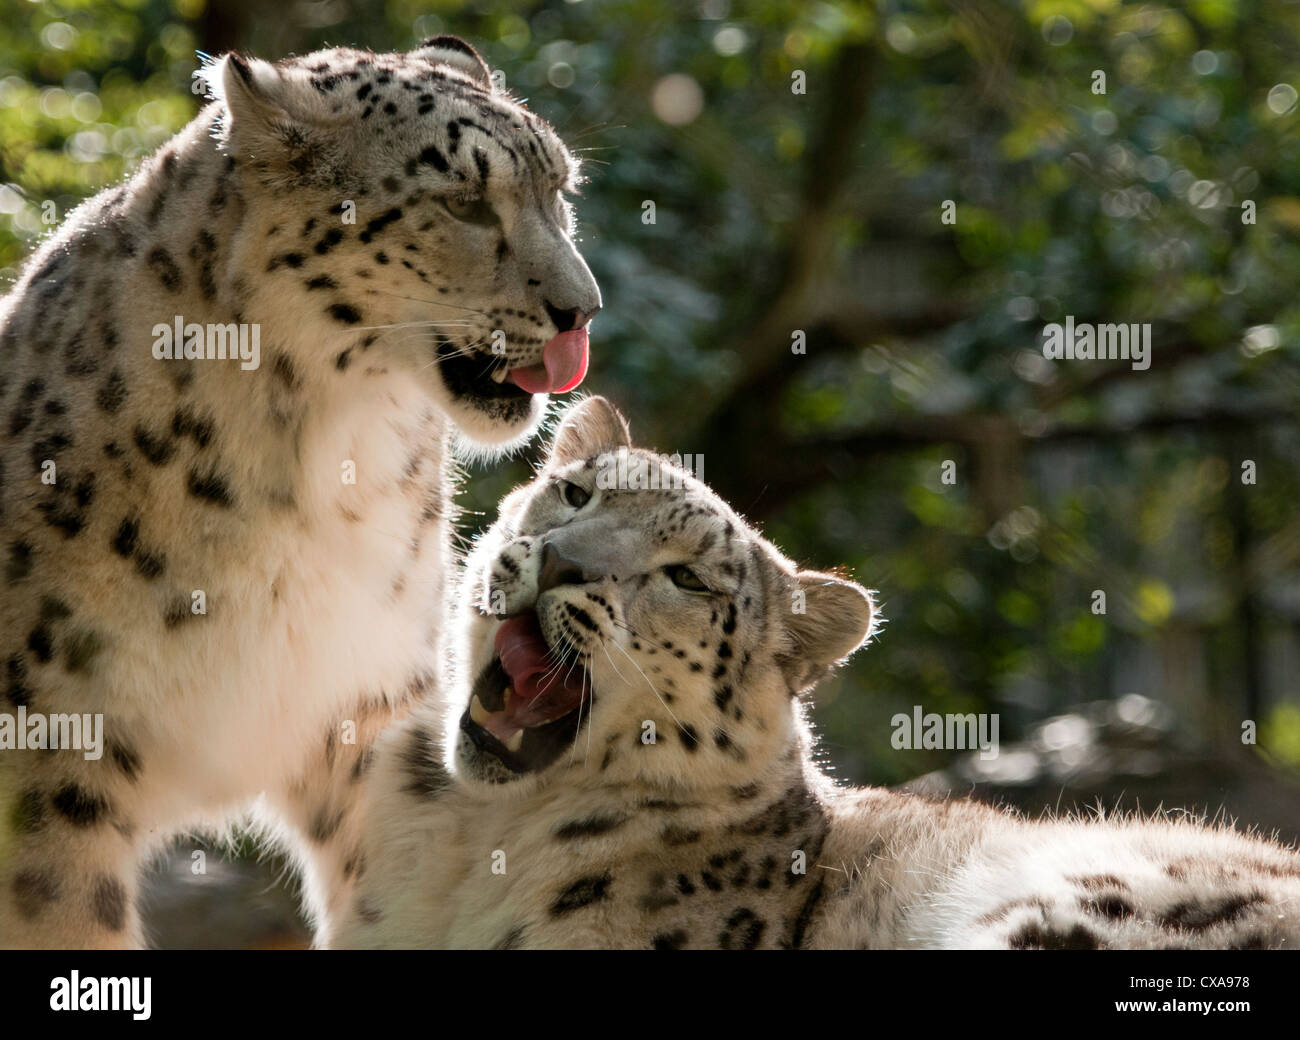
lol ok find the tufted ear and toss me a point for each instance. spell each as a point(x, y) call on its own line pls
point(830, 617)
point(277, 123)
point(591, 427)
point(457, 54)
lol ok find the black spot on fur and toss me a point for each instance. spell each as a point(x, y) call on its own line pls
point(33, 891)
point(325, 825)
point(211, 487)
point(150, 565)
point(329, 240)
point(16, 689)
point(54, 609)
point(40, 641)
point(202, 253)
point(187, 423)
point(24, 408)
point(164, 267)
point(79, 806)
point(582, 893)
point(1036, 936)
point(109, 901)
point(294, 260)
point(804, 918)
point(1197, 916)
point(669, 940)
point(127, 537)
point(432, 157)
point(379, 223)
point(423, 765)
point(178, 610)
point(48, 447)
point(112, 395)
point(591, 826)
point(21, 561)
point(580, 616)
point(343, 312)
point(154, 448)
point(124, 758)
point(1113, 906)
point(743, 931)
point(673, 835)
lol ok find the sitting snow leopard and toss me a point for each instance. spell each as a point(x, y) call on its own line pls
point(626, 764)
point(236, 556)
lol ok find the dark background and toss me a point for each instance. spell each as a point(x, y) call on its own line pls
point(820, 212)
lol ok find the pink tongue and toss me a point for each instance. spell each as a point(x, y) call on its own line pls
point(564, 364)
point(544, 690)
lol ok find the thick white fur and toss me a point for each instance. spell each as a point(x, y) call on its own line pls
point(324, 598)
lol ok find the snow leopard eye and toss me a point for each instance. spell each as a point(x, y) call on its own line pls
point(574, 494)
point(685, 578)
point(473, 209)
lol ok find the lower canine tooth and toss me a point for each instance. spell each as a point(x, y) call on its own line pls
point(514, 742)
point(477, 712)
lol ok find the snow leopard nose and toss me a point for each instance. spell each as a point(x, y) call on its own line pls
point(568, 320)
point(557, 569)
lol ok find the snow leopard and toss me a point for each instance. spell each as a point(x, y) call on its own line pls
point(231, 394)
point(624, 760)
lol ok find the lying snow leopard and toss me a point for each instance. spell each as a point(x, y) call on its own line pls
point(627, 765)
point(228, 395)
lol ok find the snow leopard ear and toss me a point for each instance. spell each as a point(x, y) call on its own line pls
point(457, 54)
point(830, 617)
point(591, 427)
point(277, 123)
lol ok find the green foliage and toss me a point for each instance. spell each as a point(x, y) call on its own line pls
point(822, 212)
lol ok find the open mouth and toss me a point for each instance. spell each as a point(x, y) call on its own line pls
point(476, 375)
point(563, 367)
point(525, 703)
